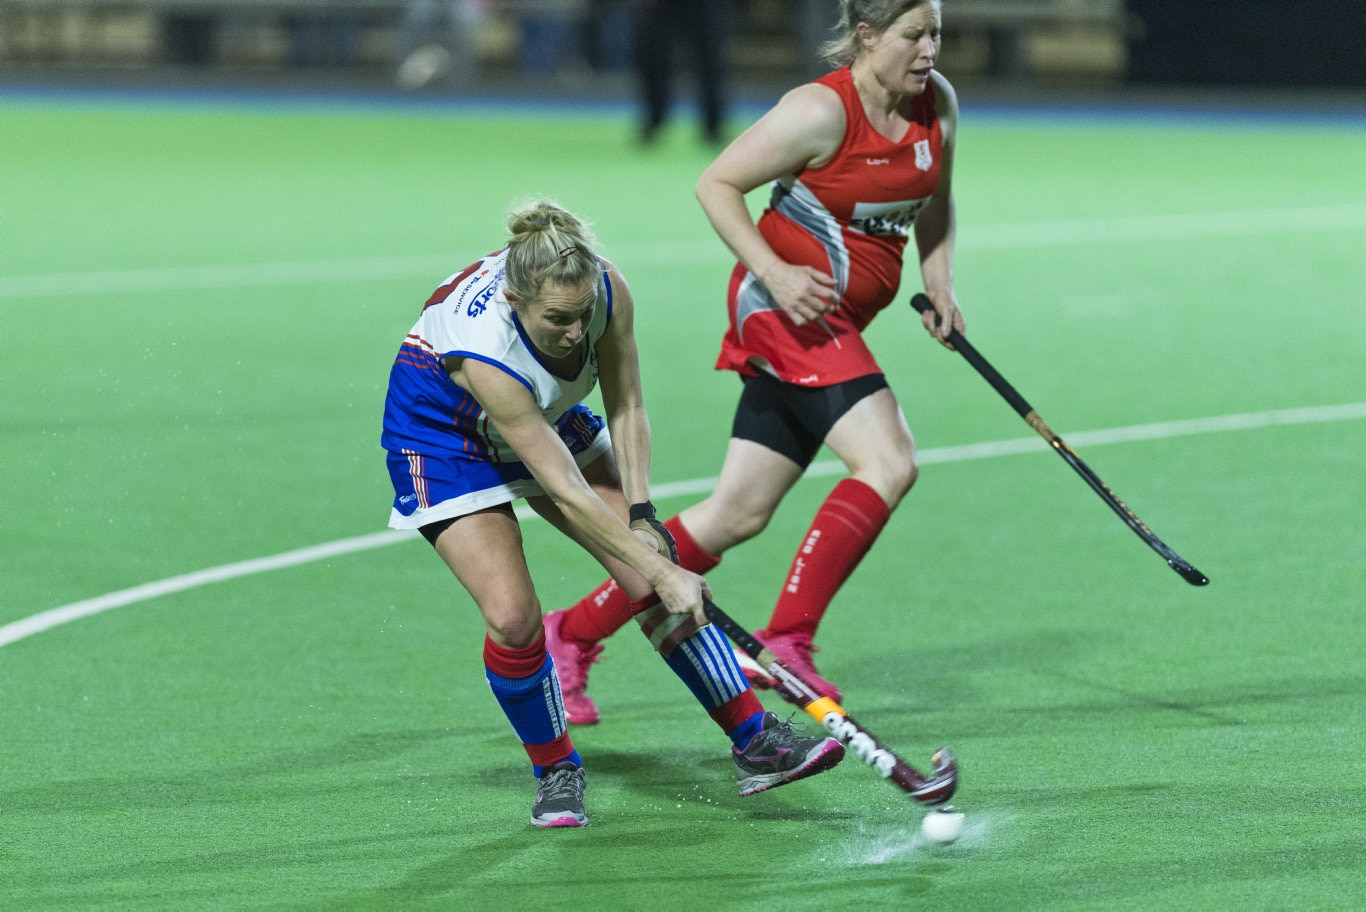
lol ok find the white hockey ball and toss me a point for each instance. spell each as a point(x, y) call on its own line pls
point(943, 825)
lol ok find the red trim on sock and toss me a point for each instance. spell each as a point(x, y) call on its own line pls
point(843, 531)
point(734, 713)
point(515, 663)
point(551, 752)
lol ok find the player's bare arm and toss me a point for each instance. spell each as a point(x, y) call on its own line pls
point(514, 413)
point(803, 130)
point(935, 226)
point(622, 395)
point(624, 402)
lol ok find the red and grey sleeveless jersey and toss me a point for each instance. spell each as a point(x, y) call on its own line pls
point(469, 317)
point(852, 216)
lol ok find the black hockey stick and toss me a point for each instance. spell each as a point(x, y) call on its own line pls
point(1191, 575)
point(935, 789)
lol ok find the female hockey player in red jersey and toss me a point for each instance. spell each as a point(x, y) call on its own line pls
point(859, 161)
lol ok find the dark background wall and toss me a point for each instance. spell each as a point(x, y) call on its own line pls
point(1248, 42)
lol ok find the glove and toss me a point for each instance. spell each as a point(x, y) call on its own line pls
point(643, 520)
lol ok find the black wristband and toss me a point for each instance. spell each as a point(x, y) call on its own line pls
point(642, 511)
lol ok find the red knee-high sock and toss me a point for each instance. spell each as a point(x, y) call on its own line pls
point(691, 555)
point(597, 615)
point(845, 527)
point(603, 611)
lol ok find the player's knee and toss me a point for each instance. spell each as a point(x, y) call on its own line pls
point(747, 522)
point(903, 474)
point(515, 629)
point(892, 477)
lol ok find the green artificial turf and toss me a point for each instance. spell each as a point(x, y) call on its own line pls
point(200, 303)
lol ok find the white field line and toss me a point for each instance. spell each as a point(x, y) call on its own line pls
point(1347, 217)
point(54, 617)
point(1163, 227)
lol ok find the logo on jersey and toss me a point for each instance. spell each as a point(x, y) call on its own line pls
point(923, 159)
point(892, 219)
point(879, 161)
point(487, 288)
point(480, 302)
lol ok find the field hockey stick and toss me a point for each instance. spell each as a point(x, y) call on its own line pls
point(1191, 575)
point(935, 789)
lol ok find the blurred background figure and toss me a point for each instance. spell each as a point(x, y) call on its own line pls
point(606, 40)
point(666, 30)
point(435, 42)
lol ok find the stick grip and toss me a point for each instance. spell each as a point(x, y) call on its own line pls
point(921, 302)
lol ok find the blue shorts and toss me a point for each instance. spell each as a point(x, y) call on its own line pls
point(429, 487)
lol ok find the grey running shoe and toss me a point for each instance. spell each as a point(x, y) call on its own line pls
point(778, 755)
point(559, 798)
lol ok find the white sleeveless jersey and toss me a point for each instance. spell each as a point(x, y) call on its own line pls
point(469, 317)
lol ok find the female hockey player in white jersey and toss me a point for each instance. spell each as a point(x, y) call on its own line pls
point(485, 407)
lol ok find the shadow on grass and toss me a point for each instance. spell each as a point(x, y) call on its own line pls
point(184, 787)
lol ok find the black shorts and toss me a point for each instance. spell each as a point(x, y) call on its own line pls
point(432, 530)
point(794, 420)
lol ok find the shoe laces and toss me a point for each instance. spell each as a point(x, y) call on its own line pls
point(585, 657)
point(785, 727)
point(560, 782)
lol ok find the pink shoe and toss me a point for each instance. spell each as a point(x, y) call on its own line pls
point(794, 650)
point(756, 674)
point(571, 664)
